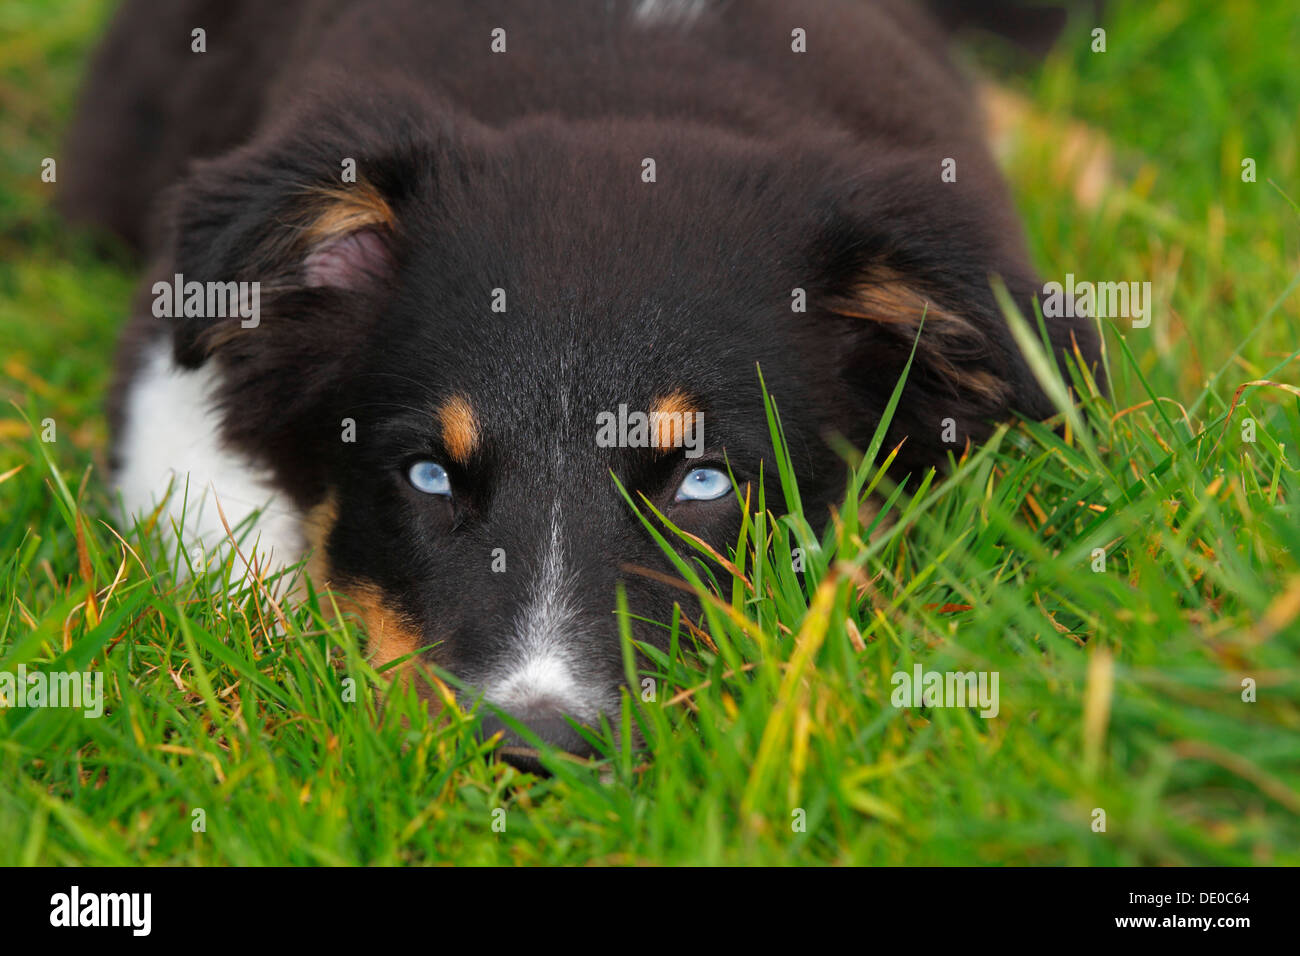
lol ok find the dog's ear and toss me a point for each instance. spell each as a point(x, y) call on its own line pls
point(319, 249)
point(924, 278)
point(955, 348)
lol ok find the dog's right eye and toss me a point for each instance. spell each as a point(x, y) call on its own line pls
point(430, 478)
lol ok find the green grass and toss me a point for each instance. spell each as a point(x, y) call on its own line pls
point(1119, 689)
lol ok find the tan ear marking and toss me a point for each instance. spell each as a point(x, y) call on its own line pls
point(339, 210)
point(460, 429)
point(891, 300)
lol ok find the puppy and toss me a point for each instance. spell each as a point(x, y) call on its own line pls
point(425, 278)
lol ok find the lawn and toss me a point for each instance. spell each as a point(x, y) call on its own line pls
point(1130, 571)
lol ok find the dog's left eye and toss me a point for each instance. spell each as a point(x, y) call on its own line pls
point(429, 477)
point(703, 484)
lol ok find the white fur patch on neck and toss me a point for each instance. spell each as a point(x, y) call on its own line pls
point(171, 435)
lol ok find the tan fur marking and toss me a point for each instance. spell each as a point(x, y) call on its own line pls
point(389, 632)
point(890, 300)
point(318, 524)
point(459, 428)
point(390, 635)
point(342, 210)
point(671, 419)
point(324, 214)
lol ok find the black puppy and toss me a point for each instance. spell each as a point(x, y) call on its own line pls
point(424, 274)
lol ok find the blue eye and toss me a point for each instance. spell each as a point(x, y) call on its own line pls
point(703, 484)
point(429, 477)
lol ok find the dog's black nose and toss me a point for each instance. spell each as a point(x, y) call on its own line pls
point(549, 725)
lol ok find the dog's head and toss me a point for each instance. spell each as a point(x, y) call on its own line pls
point(464, 348)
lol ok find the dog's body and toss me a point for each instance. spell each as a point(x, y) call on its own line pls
point(558, 209)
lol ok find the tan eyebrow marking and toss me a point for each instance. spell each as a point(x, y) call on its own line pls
point(340, 211)
point(671, 418)
point(460, 431)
